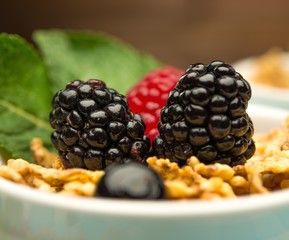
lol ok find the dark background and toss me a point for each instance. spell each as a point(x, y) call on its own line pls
point(177, 32)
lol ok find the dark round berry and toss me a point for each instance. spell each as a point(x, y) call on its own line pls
point(73, 84)
point(250, 150)
point(60, 115)
point(135, 130)
point(86, 106)
point(200, 96)
point(239, 126)
point(175, 112)
point(237, 107)
point(85, 90)
point(250, 132)
point(218, 104)
point(212, 66)
point(118, 98)
point(173, 97)
point(219, 125)
point(224, 69)
point(205, 116)
point(68, 98)
point(116, 111)
point(75, 156)
point(97, 137)
point(75, 120)
point(198, 67)
point(138, 150)
point(207, 81)
point(57, 142)
point(146, 141)
point(102, 97)
point(116, 131)
point(52, 120)
point(94, 127)
point(164, 114)
point(113, 155)
point(65, 162)
point(69, 136)
point(195, 115)
point(223, 158)
point(199, 136)
point(125, 145)
point(93, 159)
point(184, 98)
point(130, 180)
point(138, 118)
point(166, 132)
point(226, 143)
point(158, 146)
point(244, 89)
point(182, 150)
point(239, 160)
point(207, 153)
point(180, 131)
point(96, 84)
point(187, 81)
point(98, 118)
point(227, 86)
point(241, 145)
point(83, 140)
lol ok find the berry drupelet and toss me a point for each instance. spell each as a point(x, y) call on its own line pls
point(94, 126)
point(206, 116)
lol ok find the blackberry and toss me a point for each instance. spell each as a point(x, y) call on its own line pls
point(206, 116)
point(94, 126)
point(130, 180)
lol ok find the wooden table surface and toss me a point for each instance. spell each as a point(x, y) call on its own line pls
point(177, 32)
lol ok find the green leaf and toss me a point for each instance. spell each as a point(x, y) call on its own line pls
point(28, 82)
point(25, 97)
point(73, 55)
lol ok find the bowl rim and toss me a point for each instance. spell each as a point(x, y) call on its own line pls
point(146, 208)
point(247, 68)
point(151, 208)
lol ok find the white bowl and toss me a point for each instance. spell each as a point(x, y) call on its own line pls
point(261, 93)
point(30, 214)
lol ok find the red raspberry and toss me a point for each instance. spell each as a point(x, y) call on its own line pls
point(150, 95)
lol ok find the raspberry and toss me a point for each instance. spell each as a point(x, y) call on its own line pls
point(94, 126)
point(205, 116)
point(150, 95)
point(130, 180)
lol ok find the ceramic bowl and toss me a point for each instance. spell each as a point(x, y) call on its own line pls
point(261, 93)
point(28, 214)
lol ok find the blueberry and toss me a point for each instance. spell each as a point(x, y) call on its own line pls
point(130, 180)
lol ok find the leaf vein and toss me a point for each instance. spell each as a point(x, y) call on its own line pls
point(28, 116)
